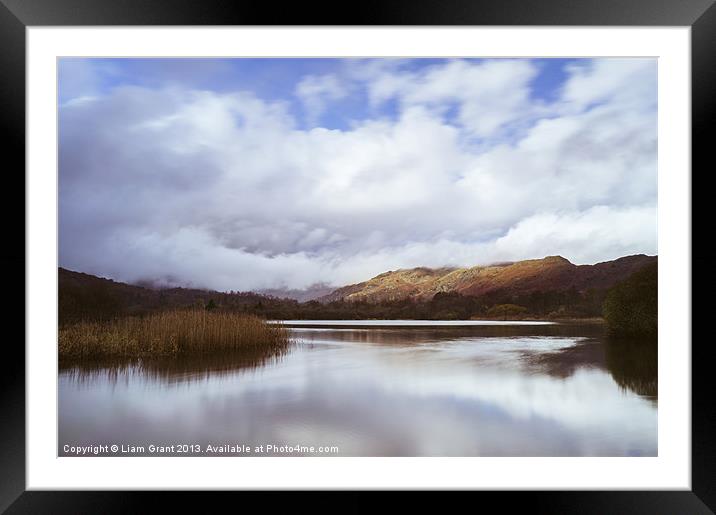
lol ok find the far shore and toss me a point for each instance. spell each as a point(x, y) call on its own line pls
point(566, 320)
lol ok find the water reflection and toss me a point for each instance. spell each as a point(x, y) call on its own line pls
point(420, 335)
point(556, 390)
point(633, 364)
point(168, 369)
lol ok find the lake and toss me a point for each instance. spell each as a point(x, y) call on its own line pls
point(376, 388)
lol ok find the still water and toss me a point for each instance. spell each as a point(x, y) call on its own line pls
point(377, 389)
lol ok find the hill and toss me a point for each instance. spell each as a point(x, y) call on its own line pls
point(540, 288)
point(87, 297)
point(506, 280)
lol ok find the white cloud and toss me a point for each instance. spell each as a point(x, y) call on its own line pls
point(488, 95)
point(224, 190)
point(316, 92)
point(622, 81)
point(618, 232)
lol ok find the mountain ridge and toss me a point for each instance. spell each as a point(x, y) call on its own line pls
point(545, 288)
point(551, 273)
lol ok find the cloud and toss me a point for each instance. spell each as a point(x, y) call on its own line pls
point(627, 82)
point(224, 189)
point(618, 231)
point(316, 92)
point(487, 95)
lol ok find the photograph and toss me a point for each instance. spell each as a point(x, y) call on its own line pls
point(357, 257)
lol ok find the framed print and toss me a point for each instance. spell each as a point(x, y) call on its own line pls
point(438, 249)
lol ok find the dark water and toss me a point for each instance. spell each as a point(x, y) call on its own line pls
point(500, 390)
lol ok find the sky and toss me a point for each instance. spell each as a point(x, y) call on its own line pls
point(246, 174)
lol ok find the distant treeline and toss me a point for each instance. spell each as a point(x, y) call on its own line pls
point(86, 297)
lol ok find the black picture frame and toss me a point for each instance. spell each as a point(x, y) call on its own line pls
point(17, 15)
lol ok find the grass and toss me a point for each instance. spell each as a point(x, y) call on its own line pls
point(171, 333)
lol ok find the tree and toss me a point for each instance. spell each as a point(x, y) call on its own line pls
point(631, 306)
point(211, 305)
point(505, 311)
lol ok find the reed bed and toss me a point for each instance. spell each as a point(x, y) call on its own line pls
point(171, 333)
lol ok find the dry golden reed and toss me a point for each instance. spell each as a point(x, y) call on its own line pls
point(171, 333)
